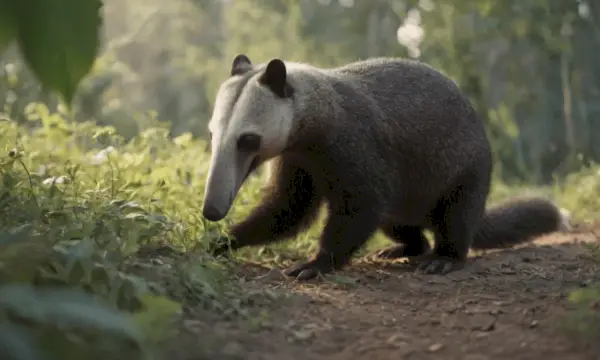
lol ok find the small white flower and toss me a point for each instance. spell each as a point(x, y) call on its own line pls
point(100, 157)
point(56, 180)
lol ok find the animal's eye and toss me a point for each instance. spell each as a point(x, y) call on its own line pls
point(248, 142)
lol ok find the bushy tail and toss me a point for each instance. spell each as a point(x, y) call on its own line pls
point(519, 221)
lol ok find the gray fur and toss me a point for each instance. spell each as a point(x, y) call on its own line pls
point(387, 143)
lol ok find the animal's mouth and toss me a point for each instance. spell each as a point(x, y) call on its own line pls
point(253, 165)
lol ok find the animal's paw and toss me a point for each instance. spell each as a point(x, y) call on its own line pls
point(221, 246)
point(309, 270)
point(437, 264)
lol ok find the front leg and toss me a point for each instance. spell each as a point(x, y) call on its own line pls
point(346, 231)
point(291, 204)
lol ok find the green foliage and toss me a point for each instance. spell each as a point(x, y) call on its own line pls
point(578, 191)
point(45, 321)
point(118, 225)
point(583, 319)
point(7, 24)
point(540, 111)
point(59, 39)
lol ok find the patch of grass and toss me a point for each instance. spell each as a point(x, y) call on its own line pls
point(578, 193)
point(583, 320)
point(115, 227)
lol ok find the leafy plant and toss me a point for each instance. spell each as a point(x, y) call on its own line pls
point(43, 323)
point(118, 223)
point(59, 39)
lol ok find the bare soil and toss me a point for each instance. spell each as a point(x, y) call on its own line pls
point(506, 304)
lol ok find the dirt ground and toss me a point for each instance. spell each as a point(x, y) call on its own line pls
point(506, 304)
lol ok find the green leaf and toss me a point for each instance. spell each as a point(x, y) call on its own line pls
point(67, 308)
point(156, 321)
point(59, 40)
point(130, 207)
point(83, 249)
point(8, 29)
point(137, 217)
point(124, 294)
point(100, 279)
point(18, 233)
point(77, 272)
point(118, 202)
point(17, 343)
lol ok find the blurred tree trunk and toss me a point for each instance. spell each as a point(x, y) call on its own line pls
point(586, 76)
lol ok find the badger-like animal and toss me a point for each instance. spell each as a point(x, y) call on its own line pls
point(389, 144)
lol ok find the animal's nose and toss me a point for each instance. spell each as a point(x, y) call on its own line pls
point(211, 213)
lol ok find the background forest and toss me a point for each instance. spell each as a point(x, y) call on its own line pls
point(526, 65)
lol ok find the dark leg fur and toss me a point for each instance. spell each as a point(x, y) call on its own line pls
point(410, 242)
point(291, 205)
point(454, 222)
point(346, 231)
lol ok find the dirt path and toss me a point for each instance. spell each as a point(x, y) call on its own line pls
point(505, 305)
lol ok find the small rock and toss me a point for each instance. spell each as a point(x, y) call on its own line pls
point(534, 324)
point(483, 323)
point(436, 347)
point(394, 339)
point(272, 275)
point(233, 349)
point(488, 327)
point(389, 322)
point(302, 335)
point(453, 309)
point(156, 261)
point(192, 325)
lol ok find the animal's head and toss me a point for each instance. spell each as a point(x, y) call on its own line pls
point(251, 123)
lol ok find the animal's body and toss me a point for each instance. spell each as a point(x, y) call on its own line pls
point(387, 144)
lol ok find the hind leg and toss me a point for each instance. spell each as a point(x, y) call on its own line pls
point(454, 223)
point(410, 241)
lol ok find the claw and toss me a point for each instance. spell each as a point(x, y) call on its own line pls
point(307, 274)
point(436, 264)
point(308, 270)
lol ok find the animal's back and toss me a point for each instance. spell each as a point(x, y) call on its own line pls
point(411, 95)
point(410, 128)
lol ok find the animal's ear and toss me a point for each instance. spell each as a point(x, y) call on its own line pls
point(240, 65)
point(275, 77)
